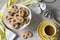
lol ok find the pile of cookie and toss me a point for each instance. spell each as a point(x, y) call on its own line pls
point(17, 17)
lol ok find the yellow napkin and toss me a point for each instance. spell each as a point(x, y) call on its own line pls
point(2, 32)
point(2, 29)
point(14, 1)
point(29, 2)
point(0, 15)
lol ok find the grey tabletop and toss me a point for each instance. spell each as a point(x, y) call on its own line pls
point(36, 19)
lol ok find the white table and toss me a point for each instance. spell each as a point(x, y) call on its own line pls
point(36, 19)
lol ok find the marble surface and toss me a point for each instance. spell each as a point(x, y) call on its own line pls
point(36, 19)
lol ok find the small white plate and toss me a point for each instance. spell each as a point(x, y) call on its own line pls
point(8, 24)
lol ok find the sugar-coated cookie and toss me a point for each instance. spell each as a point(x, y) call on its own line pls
point(26, 20)
point(27, 34)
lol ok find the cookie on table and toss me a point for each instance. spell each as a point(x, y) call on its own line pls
point(27, 34)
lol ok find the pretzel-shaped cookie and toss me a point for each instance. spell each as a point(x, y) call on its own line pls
point(26, 12)
point(21, 13)
point(27, 34)
point(14, 7)
point(8, 17)
point(17, 25)
point(26, 20)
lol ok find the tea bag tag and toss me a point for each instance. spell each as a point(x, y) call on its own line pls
point(37, 10)
point(43, 6)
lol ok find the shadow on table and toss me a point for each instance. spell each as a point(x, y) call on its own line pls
point(36, 19)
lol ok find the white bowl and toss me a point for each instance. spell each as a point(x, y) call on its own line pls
point(8, 24)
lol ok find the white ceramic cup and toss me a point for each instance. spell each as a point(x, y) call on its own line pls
point(50, 26)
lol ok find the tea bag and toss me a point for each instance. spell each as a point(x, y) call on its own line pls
point(37, 10)
point(42, 6)
point(48, 13)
